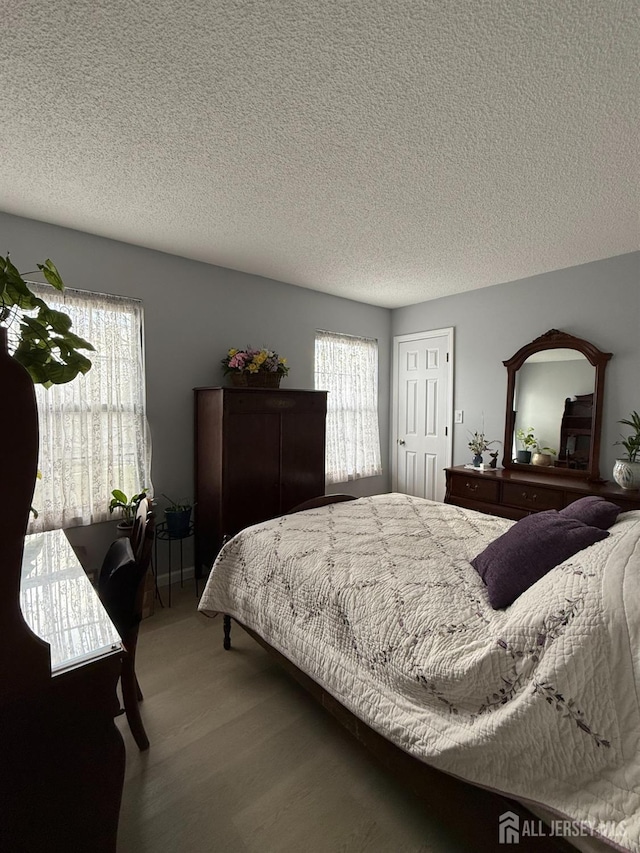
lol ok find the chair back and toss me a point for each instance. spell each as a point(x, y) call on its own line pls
point(122, 577)
point(139, 527)
point(143, 553)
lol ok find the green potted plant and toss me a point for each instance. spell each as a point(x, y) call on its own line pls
point(40, 337)
point(178, 517)
point(529, 442)
point(128, 506)
point(626, 470)
point(36, 336)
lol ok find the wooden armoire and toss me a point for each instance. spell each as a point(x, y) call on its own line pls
point(258, 453)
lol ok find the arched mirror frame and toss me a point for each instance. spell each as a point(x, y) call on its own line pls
point(554, 339)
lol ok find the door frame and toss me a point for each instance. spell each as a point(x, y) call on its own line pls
point(416, 336)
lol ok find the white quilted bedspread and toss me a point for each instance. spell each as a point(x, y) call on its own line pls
point(377, 601)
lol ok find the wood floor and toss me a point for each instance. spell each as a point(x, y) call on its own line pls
point(242, 759)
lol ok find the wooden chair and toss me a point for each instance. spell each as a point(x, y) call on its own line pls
point(121, 588)
point(138, 530)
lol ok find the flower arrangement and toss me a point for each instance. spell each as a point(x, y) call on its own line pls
point(478, 443)
point(251, 360)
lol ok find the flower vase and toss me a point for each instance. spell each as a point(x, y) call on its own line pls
point(477, 460)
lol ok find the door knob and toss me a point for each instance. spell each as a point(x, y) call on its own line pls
point(401, 441)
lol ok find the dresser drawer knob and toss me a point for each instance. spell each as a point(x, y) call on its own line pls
point(533, 498)
point(471, 486)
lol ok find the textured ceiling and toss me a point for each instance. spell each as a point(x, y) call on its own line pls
point(386, 151)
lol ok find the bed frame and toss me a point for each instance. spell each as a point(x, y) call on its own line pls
point(470, 812)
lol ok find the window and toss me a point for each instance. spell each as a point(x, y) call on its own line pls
point(347, 367)
point(93, 431)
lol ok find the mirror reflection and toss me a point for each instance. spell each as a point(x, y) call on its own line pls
point(553, 403)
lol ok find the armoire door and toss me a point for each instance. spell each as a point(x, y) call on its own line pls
point(302, 457)
point(251, 469)
point(258, 453)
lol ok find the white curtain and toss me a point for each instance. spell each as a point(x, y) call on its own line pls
point(347, 367)
point(94, 435)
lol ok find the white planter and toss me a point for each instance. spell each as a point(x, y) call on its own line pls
point(627, 474)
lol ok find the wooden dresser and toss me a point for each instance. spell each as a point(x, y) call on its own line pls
point(514, 494)
point(258, 453)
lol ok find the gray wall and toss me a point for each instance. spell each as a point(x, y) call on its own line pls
point(599, 301)
point(193, 313)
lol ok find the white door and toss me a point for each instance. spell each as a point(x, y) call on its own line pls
point(422, 413)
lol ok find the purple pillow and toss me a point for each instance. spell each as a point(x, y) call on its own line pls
point(527, 551)
point(593, 510)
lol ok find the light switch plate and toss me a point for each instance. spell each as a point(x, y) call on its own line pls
point(458, 416)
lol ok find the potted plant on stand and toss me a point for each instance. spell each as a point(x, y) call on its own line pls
point(128, 506)
point(528, 441)
point(178, 518)
point(626, 471)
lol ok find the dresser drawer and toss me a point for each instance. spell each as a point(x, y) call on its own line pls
point(474, 488)
point(532, 497)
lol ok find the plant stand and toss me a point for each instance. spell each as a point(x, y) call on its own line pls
point(163, 535)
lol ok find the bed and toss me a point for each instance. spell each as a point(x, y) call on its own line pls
point(376, 602)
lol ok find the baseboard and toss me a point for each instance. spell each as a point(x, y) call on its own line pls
point(188, 574)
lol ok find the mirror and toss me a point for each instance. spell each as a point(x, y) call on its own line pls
point(550, 386)
point(555, 390)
